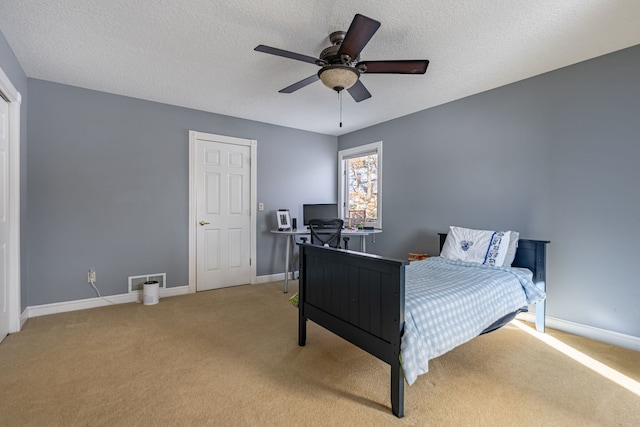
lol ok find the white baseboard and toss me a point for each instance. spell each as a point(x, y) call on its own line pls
point(274, 278)
point(23, 318)
point(603, 335)
point(63, 307)
point(174, 291)
point(269, 278)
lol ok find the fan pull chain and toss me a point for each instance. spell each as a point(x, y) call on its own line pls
point(340, 100)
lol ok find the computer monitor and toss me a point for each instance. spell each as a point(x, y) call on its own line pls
point(319, 211)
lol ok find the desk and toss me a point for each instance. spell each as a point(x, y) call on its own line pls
point(291, 237)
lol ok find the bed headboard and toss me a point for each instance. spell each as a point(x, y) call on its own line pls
point(530, 254)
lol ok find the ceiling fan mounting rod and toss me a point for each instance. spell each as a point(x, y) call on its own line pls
point(337, 37)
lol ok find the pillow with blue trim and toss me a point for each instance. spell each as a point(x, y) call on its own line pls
point(480, 246)
point(513, 247)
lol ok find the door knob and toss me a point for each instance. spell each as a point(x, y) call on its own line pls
point(203, 223)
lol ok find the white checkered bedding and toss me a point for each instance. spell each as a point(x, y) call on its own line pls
point(447, 303)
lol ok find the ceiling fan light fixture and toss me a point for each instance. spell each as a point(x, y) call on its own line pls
point(338, 77)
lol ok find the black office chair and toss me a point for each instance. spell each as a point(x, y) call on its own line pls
point(327, 232)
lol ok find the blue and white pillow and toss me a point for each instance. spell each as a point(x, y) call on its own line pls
point(513, 247)
point(480, 246)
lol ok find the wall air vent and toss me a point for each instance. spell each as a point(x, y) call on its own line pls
point(136, 282)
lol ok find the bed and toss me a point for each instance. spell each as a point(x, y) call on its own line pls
point(361, 298)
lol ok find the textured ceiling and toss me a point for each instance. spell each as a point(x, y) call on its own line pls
point(199, 53)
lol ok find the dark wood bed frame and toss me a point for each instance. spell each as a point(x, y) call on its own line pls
point(360, 297)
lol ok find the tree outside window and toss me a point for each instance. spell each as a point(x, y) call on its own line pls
point(359, 180)
point(363, 185)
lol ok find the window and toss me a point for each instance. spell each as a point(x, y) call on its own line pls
point(360, 192)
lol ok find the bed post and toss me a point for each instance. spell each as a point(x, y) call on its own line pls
point(540, 280)
point(397, 375)
point(302, 320)
point(397, 390)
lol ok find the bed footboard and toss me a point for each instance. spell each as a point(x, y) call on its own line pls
point(359, 297)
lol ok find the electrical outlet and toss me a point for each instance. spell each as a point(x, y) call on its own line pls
point(91, 276)
point(260, 206)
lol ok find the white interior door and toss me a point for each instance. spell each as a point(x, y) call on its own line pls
point(223, 214)
point(4, 223)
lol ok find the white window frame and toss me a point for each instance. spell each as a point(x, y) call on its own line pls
point(343, 155)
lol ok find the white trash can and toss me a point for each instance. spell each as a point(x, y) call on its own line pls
point(150, 292)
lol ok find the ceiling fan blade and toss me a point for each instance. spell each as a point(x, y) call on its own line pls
point(358, 35)
point(285, 53)
point(302, 83)
point(358, 92)
point(395, 67)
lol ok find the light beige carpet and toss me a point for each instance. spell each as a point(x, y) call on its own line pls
point(230, 358)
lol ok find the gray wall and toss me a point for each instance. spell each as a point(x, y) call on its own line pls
point(108, 188)
point(555, 157)
point(13, 70)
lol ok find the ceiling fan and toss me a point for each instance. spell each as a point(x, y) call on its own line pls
point(341, 68)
